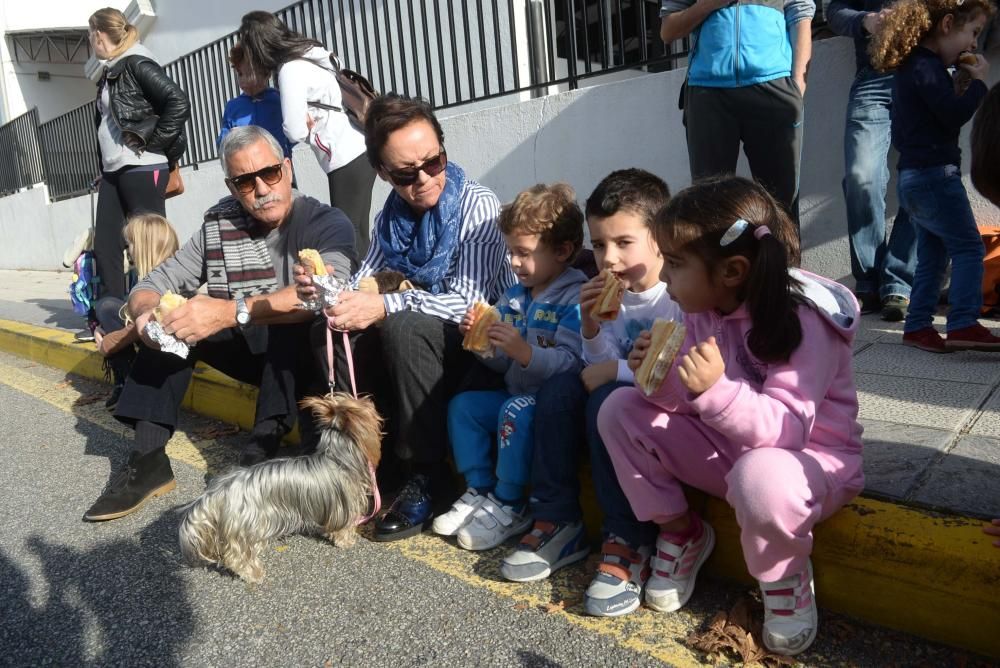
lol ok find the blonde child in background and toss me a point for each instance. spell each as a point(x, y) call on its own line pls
point(759, 407)
point(620, 214)
point(537, 337)
point(149, 240)
point(921, 39)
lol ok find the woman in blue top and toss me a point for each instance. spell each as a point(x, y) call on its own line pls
point(921, 39)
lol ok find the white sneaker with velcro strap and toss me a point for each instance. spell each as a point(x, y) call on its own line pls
point(448, 524)
point(675, 567)
point(491, 524)
point(790, 615)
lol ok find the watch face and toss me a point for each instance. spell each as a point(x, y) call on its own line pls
point(243, 318)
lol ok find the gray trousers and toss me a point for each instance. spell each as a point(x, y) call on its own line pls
point(766, 118)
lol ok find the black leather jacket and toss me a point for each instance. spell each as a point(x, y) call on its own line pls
point(148, 106)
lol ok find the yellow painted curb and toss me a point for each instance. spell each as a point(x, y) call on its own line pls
point(931, 574)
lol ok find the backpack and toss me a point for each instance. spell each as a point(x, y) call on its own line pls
point(991, 268)
point(83, 287)
point(356, 93)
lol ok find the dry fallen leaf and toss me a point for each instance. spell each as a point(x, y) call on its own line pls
point(557, 606)
point(63, 384)
point(521, 606)
point(737, 632)
point(87, 399)
point(281, 548)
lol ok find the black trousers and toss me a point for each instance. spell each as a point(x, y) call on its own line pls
point(351, 192)
point(276, 359)
point(123, 193)
point(412, 364)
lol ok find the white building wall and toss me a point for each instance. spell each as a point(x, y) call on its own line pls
point(576, 137)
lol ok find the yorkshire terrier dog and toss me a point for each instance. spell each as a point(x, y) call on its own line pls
point(328, 492)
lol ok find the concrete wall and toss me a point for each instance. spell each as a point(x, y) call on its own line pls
point(576, 137)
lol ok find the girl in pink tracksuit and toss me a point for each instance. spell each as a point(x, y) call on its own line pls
point(760, 407)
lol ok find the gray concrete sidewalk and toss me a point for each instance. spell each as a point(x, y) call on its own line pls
point(932, 422)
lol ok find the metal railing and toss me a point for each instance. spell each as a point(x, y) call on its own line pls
point(451, 52)
point(20, 154)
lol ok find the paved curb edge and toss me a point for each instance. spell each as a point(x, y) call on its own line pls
point(932, 574)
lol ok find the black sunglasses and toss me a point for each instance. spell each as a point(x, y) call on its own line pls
point(408, 176)
point(245, 183)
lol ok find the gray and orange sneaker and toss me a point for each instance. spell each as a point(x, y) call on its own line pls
point(621, 576)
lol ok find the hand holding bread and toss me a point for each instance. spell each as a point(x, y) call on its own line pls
point(609, 301)
point(311, 259)
point(665, 339)
point(168, 302)
point(701, 367)
point(481, 317)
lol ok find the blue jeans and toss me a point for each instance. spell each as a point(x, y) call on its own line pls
point(946, 230)
point(567, 417)
point(877, 266)
point(474, 418)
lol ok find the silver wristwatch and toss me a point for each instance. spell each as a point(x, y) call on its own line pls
point(242, 312)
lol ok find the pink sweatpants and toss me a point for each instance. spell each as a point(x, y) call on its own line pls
point(778, 494)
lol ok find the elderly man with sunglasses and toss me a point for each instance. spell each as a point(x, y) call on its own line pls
point(438, 229)
point(249, 325)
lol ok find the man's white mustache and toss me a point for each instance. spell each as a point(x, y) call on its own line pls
point(266, 199)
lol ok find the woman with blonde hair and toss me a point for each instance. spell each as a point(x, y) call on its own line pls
point(140, 119)
point(149, 240)
point(922, 39)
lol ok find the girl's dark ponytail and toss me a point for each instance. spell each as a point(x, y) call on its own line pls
point(776, 330)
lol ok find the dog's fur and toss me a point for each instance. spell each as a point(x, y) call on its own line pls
point(327, 491)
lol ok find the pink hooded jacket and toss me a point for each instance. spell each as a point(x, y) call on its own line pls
point(809, 402)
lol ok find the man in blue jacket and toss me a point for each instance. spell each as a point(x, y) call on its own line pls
point(746, 78)
point(883, 272)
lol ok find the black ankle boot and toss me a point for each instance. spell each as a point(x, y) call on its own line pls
point(141, 478)
point(120, 365)
point(264, 442)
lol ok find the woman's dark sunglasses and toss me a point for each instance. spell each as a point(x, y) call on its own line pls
point(408, 176)
point(245, 183)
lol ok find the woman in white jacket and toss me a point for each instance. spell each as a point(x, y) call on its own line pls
point(308, 88)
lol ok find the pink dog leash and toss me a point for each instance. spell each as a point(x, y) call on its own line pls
point(331, 379)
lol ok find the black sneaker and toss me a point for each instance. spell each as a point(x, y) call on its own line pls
point(140, 479)
point(116, 393)
point(869, 302)
point(894, 308)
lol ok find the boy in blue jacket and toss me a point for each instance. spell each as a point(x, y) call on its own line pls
point(258, 104)
point(537, 337)
point(746, 80)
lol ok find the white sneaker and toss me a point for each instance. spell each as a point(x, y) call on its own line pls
point(447, 524)
point(491, 524)
point(675, 567)
point(621, 576)
point(790, 615)
point(549, 547)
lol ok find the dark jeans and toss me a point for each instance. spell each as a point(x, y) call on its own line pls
point(879, 266)
point(412, 364)
point(277, 360)
point(566, 417)
point(121, 194)
point(946, 230)
point(351, 192)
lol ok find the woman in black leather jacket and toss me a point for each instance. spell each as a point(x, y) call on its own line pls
point(140, 133)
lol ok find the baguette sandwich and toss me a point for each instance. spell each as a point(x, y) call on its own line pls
point(476, 339)
point(610, 300)
point(668, 336)
point(311, 258)
point(168, 302)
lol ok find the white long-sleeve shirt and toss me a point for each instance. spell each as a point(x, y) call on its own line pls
point(480, 270)
point(615, 338)
point(333, 139)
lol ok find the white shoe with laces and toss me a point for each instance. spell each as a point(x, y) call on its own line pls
point(790, 615)
point(448, 524)
point(491, 524)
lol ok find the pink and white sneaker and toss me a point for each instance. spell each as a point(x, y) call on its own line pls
point(675, 566)
point(790, 616)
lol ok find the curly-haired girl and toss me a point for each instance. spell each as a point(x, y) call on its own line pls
point(922, 39)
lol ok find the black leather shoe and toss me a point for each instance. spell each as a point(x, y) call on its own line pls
point(116, 394)
point(140, 479)
point(409, 514)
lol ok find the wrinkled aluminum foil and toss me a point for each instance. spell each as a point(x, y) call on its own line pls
point(168, 343)
point(328, 289)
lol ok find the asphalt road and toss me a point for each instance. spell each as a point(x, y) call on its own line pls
point(117, 593)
